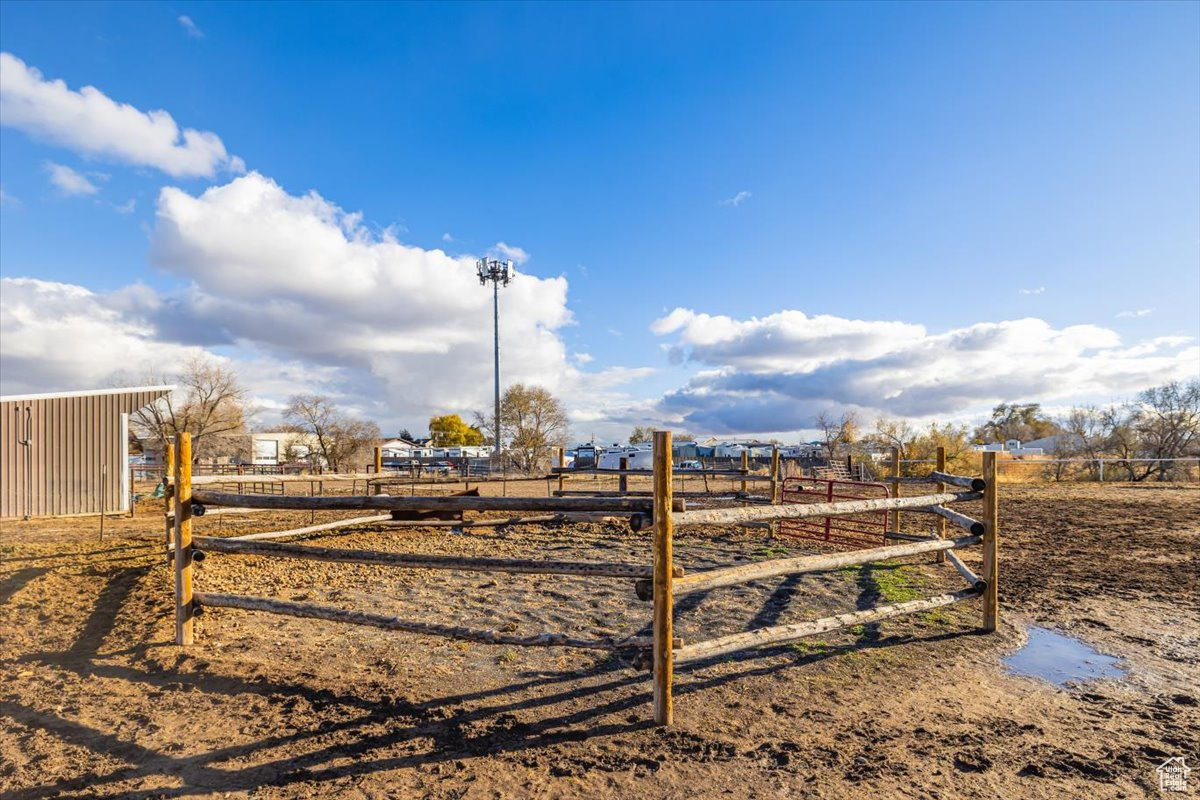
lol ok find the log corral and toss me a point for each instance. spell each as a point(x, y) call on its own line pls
point(657, 579)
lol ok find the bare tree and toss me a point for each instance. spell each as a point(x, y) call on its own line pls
point(1083, 436)
point(208, 402)
point(641, 434)
point(533, 421)
point(1165, 421)
point(1021, 421)
point(837, 434)
point(895, 433)
point(339, 438)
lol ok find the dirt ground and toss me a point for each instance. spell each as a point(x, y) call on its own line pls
point(96, 700)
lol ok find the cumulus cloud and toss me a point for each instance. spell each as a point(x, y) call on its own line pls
point(775, 373)
point(305, 297)
point(62, 336)
point(737, 199)
point(90, 123)
point(1141, 312)
point(192, 29)
point(507, 251)
point(302, 276)
point(68, 181)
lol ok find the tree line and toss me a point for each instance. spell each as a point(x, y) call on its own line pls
point(1141, 436)
point(1162, 422)
point(211, 404)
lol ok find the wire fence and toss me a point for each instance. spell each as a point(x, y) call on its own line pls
point(1107, 469)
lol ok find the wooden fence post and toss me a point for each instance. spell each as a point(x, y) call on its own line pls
point(775, 475)
point(745, 466)
point(664, 657)
point(896, 487)
point(378, 460)
point(623, 479)
point(168, 473)
point(183, 538)
point(941, 487)
point(991, 543)
point(562, 464)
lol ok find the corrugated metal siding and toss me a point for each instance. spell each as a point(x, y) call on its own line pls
point(71, 440)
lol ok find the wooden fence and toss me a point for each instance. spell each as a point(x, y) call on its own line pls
point(659, 581)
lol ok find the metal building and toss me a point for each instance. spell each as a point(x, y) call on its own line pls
point(68, 452)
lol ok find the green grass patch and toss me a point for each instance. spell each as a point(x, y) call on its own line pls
point(769, 552)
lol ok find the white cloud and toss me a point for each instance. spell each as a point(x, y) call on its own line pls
point(68, 181)
point(193, 30)
point(737, 199)
point(7, 199)
point(61, 336)
point(304, 297)
point(128, 207)
point(447, 237)
point(584, 358)
point(507, 251)
point(1038, 290)
point(775, 373)
point(1141, 312)
point(90, 123)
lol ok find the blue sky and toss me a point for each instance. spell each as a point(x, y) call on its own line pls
point(943, 166)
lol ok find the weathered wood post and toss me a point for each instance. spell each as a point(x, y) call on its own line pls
point(991, 543)
point(168, 495)
point(623, 479)
point(896, 487)
point(664, 657)
point(378, 460)
point(745, 466)
point(561, 460)
point(183, 538)
point(941, 487)
point(775, 475)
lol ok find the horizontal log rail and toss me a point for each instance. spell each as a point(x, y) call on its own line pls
point(712, 473)
point(420, 561)
point(209, 480)
point(781, 634)
point(399, 476)
point(731, 516)
point(215, 512)
point(440, 503)
point(961, 481)
point(311, 611)
point(970, 577)
point(908, 537)
point(744, 573)
point(328, 526)
point(961, 520)
point(727, 495)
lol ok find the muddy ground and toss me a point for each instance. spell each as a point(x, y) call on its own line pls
point(96, 701)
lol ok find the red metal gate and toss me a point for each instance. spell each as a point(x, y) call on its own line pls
point(855, 530)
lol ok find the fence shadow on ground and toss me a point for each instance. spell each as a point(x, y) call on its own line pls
point(386, 733)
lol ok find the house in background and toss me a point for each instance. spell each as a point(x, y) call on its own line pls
point(282, 447)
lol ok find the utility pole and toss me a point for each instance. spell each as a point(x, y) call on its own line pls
point(499, 273)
